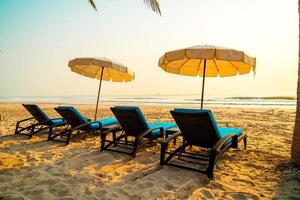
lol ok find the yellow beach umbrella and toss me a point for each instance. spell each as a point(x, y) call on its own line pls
point(207, 61)
point(101, 69)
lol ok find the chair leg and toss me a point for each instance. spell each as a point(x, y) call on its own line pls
point(17, 127)
point(245, 142)
point(163, 153)
point(114, 138)
point(135, 146)
point(103, 138)
point(68, 137)
point(49, 134)
point(31, 132)
point(182, 149)
point(235, 142)
point(183, 141)
point(211, 165)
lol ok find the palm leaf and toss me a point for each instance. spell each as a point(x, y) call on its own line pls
point(93, 4)
point(154, 5)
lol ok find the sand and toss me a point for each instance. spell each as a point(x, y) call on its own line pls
point(37, 169)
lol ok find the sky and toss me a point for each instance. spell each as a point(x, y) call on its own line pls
point(38, 38)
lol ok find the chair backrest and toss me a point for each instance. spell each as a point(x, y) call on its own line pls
point(71, 115)
point(36, 112)
point(131, 119)
point(199, 127)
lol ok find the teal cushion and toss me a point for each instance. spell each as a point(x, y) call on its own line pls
point(226, 131)
point(165, 125)
point(41, 112)
point(138, 111)
point(221, 132)
point(78, 115)
point(56, 121)
point(103, 122)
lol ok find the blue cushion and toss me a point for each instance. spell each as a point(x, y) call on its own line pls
point(165, 125)
point(78, 115)
point(103, 122)
point(138, 111)
point(226, 131)
point(56, 121)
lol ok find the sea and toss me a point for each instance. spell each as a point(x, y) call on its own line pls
point(163, 100)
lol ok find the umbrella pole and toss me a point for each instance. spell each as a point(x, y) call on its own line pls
point(203, 82)
point(98, 93)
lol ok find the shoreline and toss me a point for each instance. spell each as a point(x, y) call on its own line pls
point(288, 102)
point(164, 104)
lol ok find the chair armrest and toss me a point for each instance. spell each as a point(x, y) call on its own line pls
point(84, 125)
point(114, 128)
point(218, 146)
point(43, 122)
point(59, 124)
point(23, 120)
point(149, 130)
point(89, 120)
point(46, 121)
point(167, 140)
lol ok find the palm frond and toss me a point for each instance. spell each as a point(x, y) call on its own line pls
point(92, 2)
point(154, 5)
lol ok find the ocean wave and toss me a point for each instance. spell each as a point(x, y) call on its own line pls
point(163, 100)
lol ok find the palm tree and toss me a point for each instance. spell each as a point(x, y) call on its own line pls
point(153, 4)
point(93, 4)
point(295, 153)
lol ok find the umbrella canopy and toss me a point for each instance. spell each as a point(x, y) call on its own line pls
point(207, 61)
point(92, 68)
point(101, 69)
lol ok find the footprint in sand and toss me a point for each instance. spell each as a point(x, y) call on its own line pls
point(111, 196)
point(169, 186)
point(85, 178)
point(60, 192)
point(243, 182)
point(206, 194)
point(11, 198)
point(187, 189)
point(100, 193)
point(243, 196)
point(135, 197)
point(34, 192)
point(63, 193)
point(67, 198)
point(145, 185)
point(47, 182)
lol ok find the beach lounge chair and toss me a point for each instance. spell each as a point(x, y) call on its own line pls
point(134, 125)
point(77, 122)
point(37, 123)
point(199, 128)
